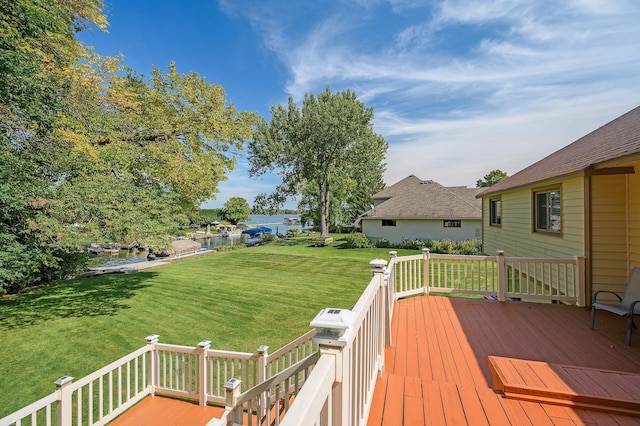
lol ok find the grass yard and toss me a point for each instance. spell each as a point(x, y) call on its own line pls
point(239, 300)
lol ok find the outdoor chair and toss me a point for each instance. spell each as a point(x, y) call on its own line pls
point(629, 304)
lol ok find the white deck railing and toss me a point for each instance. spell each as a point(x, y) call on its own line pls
point(499, 276)
point(157, 368)
point(340, 388)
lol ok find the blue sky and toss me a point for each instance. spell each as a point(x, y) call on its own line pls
point(458, 87)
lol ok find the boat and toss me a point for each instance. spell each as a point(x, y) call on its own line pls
point(291, 221)
point(129, 246)
point(95, 249)
point(256, 232)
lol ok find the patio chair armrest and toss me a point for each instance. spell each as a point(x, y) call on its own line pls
point(595, 295)
point(632, 306)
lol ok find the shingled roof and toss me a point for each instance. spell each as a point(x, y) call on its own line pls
point(616, 139)
point(414, 198)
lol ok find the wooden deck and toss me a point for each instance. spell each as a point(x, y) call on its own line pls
point(437, 370)
point(161, 411)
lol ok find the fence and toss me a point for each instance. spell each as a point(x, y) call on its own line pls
point(340, 388)
point(198, 373)
point(499, 276)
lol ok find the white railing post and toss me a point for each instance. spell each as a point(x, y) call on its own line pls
point(153, 362)
point(502, 276)
point(426, 255)
point(580, 283)
point(232, 393)
point(64, 408)
point(263, 353)
point(378, 269)
point(333, 337)
point(203, 347)
point(392, 276)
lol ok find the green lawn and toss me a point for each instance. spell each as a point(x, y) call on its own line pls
point(239, 300)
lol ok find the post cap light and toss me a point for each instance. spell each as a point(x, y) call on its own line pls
point(152, 338)
point(378, 265)
point(204, 344)
point(63, 381)
point(331, 326)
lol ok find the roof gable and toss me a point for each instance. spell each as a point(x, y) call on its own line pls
point(616, 139)
point(414, 198)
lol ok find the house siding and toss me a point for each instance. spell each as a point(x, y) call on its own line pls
point(609, 232)
point(424, 229)
point(516, 237)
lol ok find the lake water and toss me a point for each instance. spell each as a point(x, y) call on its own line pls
point(275, 222)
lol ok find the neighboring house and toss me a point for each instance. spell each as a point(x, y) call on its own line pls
point(583, 200)
point(423, 209)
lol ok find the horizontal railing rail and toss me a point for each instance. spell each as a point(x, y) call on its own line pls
point(291, 353)
point(43, 411)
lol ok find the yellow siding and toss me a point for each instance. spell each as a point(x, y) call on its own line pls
point(516, 237)
point(634, 217)
point(615, 229)
point(609, 232)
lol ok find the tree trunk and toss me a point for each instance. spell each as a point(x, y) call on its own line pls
point(324, 208)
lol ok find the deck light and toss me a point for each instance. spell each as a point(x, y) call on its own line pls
point(378, 265)
point(63, 381)
point(332, 326)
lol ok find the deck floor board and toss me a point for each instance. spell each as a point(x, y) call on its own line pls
point(454, 337)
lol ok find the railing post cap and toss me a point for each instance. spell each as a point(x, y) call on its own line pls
point(232, 383)
point(426, 249)
point(378, 265)
point(262, 349)
point(500, 252)
point(63, 381)
point(153, 338)
point(393, 253)
point(204, 344)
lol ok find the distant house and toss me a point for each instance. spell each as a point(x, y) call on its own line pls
point(424, 209)
point(582, 200)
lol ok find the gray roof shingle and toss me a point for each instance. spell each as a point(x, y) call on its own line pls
point(413, 198)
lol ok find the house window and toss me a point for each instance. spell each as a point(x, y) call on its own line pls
point(495, 212)
point(547, 210)
point(388, 222)
point(452, 223)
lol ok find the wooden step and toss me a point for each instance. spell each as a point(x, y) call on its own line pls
point(568, 385)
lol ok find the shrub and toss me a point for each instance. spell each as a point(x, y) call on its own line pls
point(382, 243)
point(358, 240)
point(471, 247)
point(443, 246)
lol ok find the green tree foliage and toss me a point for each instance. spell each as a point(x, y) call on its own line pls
point(319, 151)
point(37, 51)
point(491, 178)
point(93, 152)
point(236, 209)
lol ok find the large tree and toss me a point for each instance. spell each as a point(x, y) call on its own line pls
point(324, 144)
point(236, 209)
point(91, 151)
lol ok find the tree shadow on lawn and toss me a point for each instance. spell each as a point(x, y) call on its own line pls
point(88, 297)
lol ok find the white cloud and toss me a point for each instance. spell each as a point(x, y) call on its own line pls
point(476, 85)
